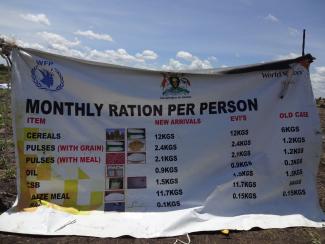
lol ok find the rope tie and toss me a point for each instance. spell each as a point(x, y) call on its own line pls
point(183, 242)
point(288, 81)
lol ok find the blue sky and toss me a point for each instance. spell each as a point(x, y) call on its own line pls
point(174, 34)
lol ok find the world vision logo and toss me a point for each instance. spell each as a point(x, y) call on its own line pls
point(46, 76)
point(175, 86)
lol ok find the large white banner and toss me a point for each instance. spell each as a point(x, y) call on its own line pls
point(106, 151)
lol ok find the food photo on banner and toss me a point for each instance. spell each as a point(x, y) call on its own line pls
point(105, 150)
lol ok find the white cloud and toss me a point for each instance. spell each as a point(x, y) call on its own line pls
point(200, 64)
point(21, 43)
point(92, 35)
point(58, 44)
point(185, 55)
point(147, 54)
point(320, 70)
point(29, 45)
point(271, 18)
point(122, 57)
point(54, 39)
point(37, 18)
point(318, 81)
point(318, 76)
point(287, 56)
point(193, 62)
point(67, 51)
point(174, 65)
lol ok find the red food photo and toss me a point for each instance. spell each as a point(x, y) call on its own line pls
point(115, 158)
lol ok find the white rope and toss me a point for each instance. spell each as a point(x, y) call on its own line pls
point(183, 242)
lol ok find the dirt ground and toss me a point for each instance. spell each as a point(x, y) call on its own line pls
point(288, 235)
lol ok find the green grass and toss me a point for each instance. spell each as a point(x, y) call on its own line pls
point(7, 167)
point(4, 74)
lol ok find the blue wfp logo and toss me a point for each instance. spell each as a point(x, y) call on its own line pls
point(46, 76)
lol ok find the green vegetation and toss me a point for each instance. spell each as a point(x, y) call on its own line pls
point(4, 74)
point(7, 166)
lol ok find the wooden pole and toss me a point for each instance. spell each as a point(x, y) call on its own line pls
point(303, 42)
